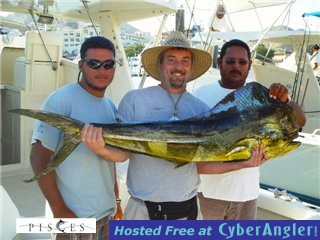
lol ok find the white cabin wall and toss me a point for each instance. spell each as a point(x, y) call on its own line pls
point(121, 83)
point(34, 78)
point(8, 57)
point(69, 72)
point(9, 52)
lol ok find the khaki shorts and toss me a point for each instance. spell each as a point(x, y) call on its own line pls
point(215, 209)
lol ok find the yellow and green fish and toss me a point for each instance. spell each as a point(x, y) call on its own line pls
point(244, 118)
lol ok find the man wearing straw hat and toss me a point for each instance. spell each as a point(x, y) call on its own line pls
point(168, 192)
point(157, 188)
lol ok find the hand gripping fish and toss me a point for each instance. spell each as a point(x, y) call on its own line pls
point(244, 118)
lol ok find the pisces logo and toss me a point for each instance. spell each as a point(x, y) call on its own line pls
point(55, 225)
point(59, 224)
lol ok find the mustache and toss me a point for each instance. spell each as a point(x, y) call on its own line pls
point(101, 76)
point(235, 72)
point(178, 71)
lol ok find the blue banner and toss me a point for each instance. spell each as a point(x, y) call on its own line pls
point(214, 230)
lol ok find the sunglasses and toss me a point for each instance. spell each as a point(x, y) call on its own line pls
point(95, 64)
point(233, 62)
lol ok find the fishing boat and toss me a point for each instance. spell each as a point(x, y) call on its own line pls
point(32, 67)
point(280, 195)
point(290, 186)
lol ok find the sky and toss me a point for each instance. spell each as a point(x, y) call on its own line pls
point(241, 22)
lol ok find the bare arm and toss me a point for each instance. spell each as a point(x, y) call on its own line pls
point(300, 114)
point(39, 158)
point(119, 213)
point(258, 157)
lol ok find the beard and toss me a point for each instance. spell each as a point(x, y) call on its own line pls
point(231, 81)
point(91, 85)
point(178, 81)
point(177, 84)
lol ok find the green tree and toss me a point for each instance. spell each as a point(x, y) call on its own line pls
point(134, 50)
point(263, 50)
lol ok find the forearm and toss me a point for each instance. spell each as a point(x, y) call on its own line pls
point(219, 167)
point(52, 194)
point(40, 158)
point(258, 157)
point(119, 213)
point(113, 154)
point(116, 186)
point(300, 114)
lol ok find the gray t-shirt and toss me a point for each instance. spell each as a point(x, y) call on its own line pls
point(151, 178)
point(85, 181)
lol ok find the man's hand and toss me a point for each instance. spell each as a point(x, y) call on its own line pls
point(119, 213)
point(258, 157)
point(280, 92)
point(92, 137)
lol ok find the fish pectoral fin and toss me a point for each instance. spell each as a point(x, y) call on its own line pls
point(180, 164)
point(69, 144)
point(242, 149)
point(237, 149)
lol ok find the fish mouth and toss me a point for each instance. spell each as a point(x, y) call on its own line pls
point(291, 135)
point(281, 147)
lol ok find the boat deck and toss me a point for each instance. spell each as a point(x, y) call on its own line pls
point(26, 196)
point(31, 203)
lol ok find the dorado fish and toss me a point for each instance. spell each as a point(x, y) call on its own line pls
point(227, 132)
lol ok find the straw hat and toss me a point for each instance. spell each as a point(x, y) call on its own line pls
point(201, 62)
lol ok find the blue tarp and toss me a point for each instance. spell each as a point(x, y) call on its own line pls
point(315, 14)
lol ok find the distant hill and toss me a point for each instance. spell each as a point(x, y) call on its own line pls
point(281, 28)
point(129, 29)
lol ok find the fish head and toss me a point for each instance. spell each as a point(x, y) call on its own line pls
point(279, 147)
point(280, 132)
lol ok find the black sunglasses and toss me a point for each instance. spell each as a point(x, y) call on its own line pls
point(233, 62)
point(95, 64)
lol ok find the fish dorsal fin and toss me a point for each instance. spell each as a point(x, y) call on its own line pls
point(252, 96)
point(64, 123)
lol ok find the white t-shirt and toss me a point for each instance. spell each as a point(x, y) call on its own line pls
point(239, 185)
point(315, 58)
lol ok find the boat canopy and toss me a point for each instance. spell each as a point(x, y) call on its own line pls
point(315, 14)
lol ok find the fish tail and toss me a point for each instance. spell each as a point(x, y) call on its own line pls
point(66, 124)
point(70, 127)
point(67, 147)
